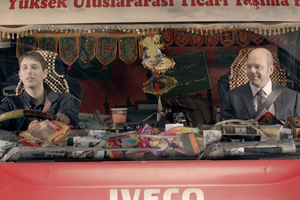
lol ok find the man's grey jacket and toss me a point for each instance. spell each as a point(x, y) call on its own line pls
point(239, 104)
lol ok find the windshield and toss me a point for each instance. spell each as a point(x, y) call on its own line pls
point(143, 91)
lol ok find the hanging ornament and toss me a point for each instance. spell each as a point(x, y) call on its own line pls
point(164, 84)
point(165, 64)
point(154, 60)
point(152, 57)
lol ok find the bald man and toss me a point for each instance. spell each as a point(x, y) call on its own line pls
point(244, 101)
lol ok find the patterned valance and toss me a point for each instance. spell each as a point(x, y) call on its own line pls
point(181, 37)
point(227, 38)
point(106, 49)
point(212, 38)
point(88, 46)
point(69, 49)
point(128, 51)
point(105, 46)
point(48, 44)
point(25, 44)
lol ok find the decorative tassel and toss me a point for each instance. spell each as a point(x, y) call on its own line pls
point(155, 79)
point(70, 67)
point(104, 67)
point(152, 34)
point(129, 66)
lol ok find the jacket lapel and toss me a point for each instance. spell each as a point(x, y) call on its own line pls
point(248, 100)
point(278, 103)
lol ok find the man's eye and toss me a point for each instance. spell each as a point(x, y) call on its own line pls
point(34, 67)
point(257, 67)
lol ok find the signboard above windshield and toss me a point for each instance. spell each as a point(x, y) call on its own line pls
point(137, 11)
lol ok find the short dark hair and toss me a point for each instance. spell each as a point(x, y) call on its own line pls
point(35, 56)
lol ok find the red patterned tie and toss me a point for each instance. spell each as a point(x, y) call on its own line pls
point(261, 97)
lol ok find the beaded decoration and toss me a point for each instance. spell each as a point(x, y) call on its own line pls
point(55, 81)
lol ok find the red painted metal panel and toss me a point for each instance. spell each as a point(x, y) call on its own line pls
point(153, 180)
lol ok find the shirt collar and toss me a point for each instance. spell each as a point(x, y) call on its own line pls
point(267, 88)
point(51, 95)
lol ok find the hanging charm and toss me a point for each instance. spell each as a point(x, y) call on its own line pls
point(154, 60)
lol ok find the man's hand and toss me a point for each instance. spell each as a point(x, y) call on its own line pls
point(62, 118)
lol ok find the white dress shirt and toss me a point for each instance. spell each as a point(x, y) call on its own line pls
point(267, 89)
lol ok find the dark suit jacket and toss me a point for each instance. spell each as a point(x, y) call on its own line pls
point(239, 104)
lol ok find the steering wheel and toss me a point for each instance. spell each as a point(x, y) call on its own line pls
point(25, 113)
point(9, 136)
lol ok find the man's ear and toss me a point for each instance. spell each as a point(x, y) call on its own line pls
point(45, 73)
point(272, 67)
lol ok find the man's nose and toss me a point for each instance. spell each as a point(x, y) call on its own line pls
point(251, 69)
point(29, 70)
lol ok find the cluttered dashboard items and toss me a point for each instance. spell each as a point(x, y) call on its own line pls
point(137, 141)
point(294, 124)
